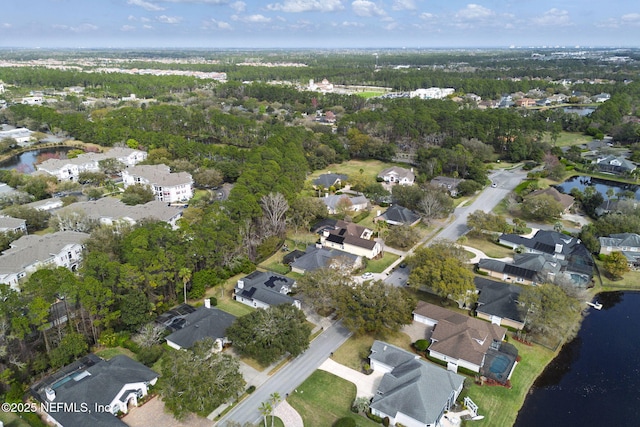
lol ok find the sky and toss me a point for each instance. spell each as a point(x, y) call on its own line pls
point(318, 23)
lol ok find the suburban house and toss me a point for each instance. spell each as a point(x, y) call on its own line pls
point(70, 169)
point(204, 322)
point(577, 263)
point(398, 215)
point(615, 165)
point(10, 224)
point(32, 252)
point(465, 342)
point(337, 202)
point(450, 184)
point(498, 303)
point(412, 392)
point(262, 289)
point(327, 180)
point(93, 391)
point(22, 136)
point(109, 211)
point(627, 243)
point(46, 204)
point(167, 186)
point(566, 200)
point(601, 97)
point(398, 175)
point(318, 257)
point(525, 102)
point(351, 238)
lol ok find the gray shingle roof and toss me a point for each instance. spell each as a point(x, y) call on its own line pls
point(397, 213)
point(114, 209)
point(202, 323)
point(414, 387)
point(266, 287)
point(159, 175)
point(316, 258)
point(105, 381)
point(498, 299)
point(328, 179)
point(621, 239)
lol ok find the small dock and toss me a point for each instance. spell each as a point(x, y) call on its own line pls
point(595, 305)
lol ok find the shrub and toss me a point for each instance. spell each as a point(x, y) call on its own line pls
point(374, 417)
point(345, 422)
point(421, 345)
point(149, 356)
point(385, 421)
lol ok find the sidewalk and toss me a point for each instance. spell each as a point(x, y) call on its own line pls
point(289, 416)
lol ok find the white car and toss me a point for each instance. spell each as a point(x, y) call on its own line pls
point(367, 276)
point(494, 185)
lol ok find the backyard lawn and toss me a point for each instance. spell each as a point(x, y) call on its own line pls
point(566, 139)
point(324, 398)
point(12, 420)
point(370, 169)
point(225, 297)
point(499, 405)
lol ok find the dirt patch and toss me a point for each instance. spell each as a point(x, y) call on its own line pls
point(153, 413)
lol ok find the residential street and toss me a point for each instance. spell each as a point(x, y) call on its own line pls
point(290, 376)
point(294, 373)
point(506, 181)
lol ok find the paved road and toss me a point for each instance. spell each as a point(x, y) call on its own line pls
point(290, 376)
point(506, 181)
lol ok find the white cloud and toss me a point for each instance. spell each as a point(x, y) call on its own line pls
point(367, 8)
point(391, 26)
point(147, 27)
point(474, 12)
point(404, 5)
point(427, 16)
point(197, 1)
point(5, 25)
point(169, 19)
point(631, 18)
point(352, 24)
point(238, 6)
point(553, 17)
point(252, 19)
point(82, 28)
point(218, 25)
point(298, 6)
point(145, 5)
point(127, 28)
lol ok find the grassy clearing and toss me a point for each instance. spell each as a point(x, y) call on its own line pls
point(369, 94)
point(324, 398)
point(499, 405)
point(566, 139)
point(370, 168)
point(378, 265)
point(12, 420)
point(492, 250)
point(357, 348)
point(224, 296)
point(630, 280)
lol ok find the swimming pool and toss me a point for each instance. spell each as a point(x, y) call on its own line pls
point(499, 365)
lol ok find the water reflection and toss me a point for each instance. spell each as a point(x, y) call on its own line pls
point(601, 185)
point(25, 162)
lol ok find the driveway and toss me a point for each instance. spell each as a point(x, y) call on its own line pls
point(153, 413)
point(365, 384)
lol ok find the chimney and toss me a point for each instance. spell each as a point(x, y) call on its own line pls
point(207, 303)
point(50, 394)
point(558, 248)
point(379, 212)
point(241, 284)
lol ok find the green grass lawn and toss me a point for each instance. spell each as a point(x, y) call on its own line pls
point(224, 296)
point(499, 405)
point(108, 353)
point(324, 398)
point(378, 265)
point(369, 94)
point(566, 139)
point(356, 348)
point(492, 250)
point(370, 168)
point(12, 420)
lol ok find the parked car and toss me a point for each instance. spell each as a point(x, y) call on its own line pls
point(367, 276)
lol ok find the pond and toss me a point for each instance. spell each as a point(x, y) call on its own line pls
point(581, 111)
point(595, 379)
point(601, 185)
point(24, 162)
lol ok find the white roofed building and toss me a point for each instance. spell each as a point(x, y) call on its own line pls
point(70, 169)
point(167, 186)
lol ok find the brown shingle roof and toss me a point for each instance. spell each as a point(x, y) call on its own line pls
point(459, 336)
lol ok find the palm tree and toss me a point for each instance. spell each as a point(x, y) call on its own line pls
point(265, 409)
point(274, 399)
point(185, 275)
